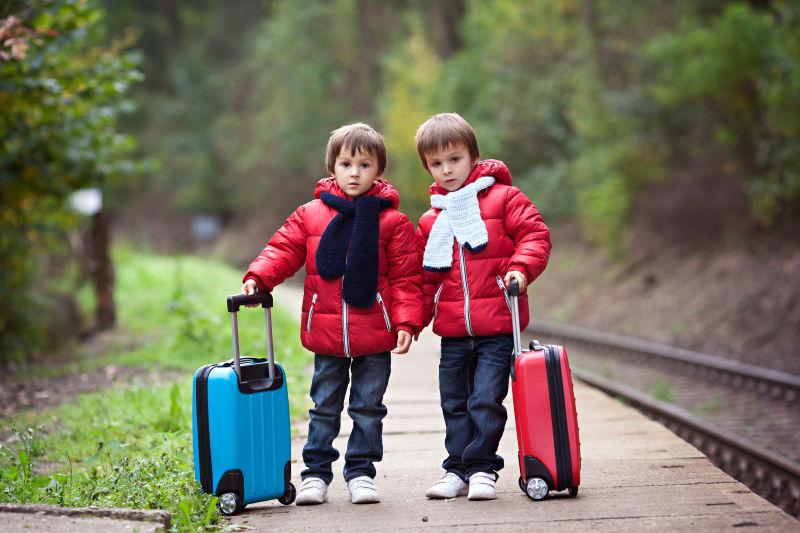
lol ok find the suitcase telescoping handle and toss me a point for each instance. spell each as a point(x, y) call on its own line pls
point(235, 301)
point(513, 292)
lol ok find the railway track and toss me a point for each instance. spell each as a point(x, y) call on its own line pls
point(753, 434)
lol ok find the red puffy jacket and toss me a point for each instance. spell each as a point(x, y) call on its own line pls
point(470, 299)
point(328, 325)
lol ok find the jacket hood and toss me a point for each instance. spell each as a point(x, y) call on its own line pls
point(380, 188)
point(487, 167)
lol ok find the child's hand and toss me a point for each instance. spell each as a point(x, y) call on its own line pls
point(519, 276)
point(403, 342)
point(249, 287)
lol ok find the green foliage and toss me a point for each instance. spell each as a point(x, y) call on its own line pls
point(513, 82)
point(120, 448)
point(306, 73)
point(61, 94)
point(663, 390)
point(189, 54)
point(411, 74)
point(589, 102)
point(131, 446)
point(738, 77)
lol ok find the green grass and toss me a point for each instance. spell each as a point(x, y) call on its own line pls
point(131, 447)
point(662, 390)
point(710, 406)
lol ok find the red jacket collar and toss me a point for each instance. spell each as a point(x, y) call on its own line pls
point(487, 167)
point(381, 188)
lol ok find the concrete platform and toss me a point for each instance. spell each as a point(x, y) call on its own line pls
point(636, 474)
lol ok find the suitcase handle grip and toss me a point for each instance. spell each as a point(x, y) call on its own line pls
point(513, 287)
point(235, 301)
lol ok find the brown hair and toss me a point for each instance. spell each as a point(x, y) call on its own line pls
point(357, 137)
point(443, 130)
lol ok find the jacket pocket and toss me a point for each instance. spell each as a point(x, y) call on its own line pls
point(385, 312)
point(311, 312)
point(505, 291)
point(436, 301)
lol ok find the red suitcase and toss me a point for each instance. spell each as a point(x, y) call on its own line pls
point(546, 419)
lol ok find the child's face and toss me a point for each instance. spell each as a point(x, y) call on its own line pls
point(450, 166)
point(355, 174)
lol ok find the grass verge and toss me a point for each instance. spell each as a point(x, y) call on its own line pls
point(131, 447)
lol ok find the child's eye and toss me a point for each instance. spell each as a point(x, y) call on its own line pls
point(344, 164)
point(435, 164)
point(455, 159)
point(364, 165)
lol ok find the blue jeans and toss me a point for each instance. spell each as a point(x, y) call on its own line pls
point(366, 409)
point(473, 382)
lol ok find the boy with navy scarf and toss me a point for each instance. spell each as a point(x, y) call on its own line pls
point(480, 233)
point(362, 295)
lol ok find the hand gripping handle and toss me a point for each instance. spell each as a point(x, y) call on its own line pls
point(235, 301)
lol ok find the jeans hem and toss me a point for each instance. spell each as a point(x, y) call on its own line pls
point(461, 474)
point(324, 479)
point(352, 475)
point(470, 473)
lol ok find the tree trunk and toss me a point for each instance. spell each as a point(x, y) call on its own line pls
point(102, 270)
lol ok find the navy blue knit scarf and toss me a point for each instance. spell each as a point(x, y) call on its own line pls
point(349, 246)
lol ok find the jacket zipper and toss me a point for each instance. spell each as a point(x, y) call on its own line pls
point(311, 312)
point(385, 314)
point(463, 266)
point(505, 291)
point(345, 336)
point(436, 301)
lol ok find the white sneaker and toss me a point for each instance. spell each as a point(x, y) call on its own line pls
point(363, 490)
point(313, 491)
point(481, 486)
point(450, 486)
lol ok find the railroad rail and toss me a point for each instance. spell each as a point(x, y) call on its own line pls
point(778, 385)
point(768, 474)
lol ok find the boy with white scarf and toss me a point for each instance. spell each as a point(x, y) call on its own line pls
point(479, 234)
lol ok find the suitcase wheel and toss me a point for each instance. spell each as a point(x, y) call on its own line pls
point(229, 503)
point(288, 498)
point(573, 491)
point(521, 484)
point(536, 488)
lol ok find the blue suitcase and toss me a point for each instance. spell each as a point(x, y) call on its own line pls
point(240, 424)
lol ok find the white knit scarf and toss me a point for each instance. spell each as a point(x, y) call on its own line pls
point(460, 218)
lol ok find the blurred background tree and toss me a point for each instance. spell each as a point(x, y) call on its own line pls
point(63, 85)
point(591, 103)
